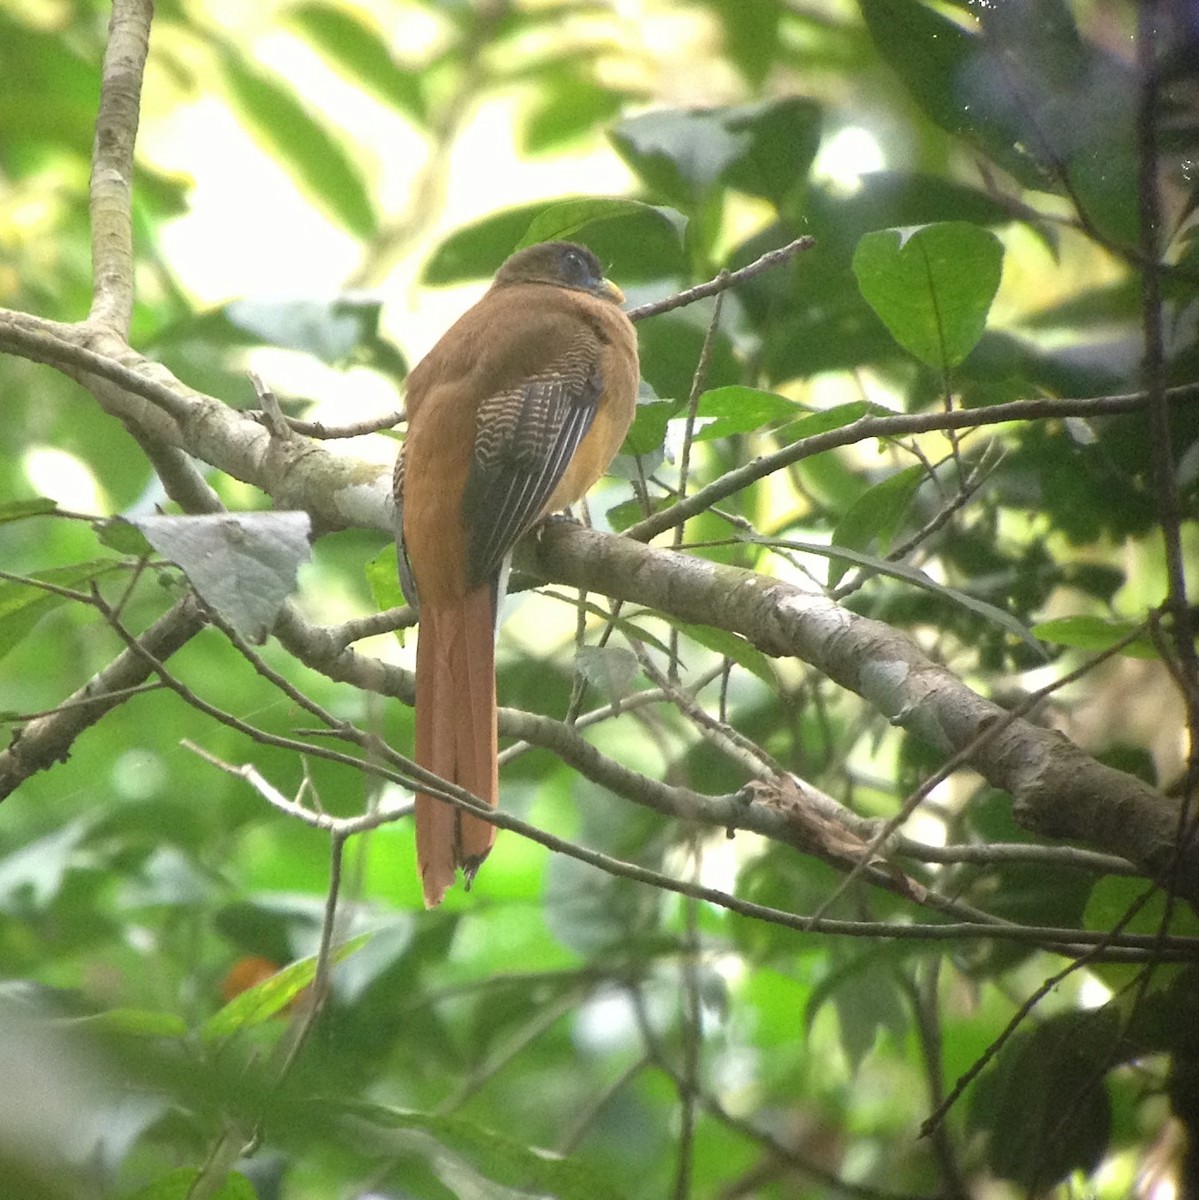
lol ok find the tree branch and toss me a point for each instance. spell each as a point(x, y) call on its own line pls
point(888, 427)
point(1058, 790)
point(111, 202)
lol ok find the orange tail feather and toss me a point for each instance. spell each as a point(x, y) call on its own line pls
point(455, 735)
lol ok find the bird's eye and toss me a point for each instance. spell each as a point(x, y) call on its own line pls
point(576, 266)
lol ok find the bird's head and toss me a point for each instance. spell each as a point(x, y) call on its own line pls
point(561, 264)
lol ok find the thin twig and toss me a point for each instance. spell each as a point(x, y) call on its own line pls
point(1018, 1018)
point(726, 279)
point(1070, 942)
point(328, 433)
point(892, 425)
point(688, 1077)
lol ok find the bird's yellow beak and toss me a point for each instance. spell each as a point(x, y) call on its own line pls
point(611, 291)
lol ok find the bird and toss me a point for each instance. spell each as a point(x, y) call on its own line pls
point(513, 415)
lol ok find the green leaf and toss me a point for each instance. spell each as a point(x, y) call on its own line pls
point(634, 241)
point(1134, 905)
point(315, 157)
point(875, 516)
point(261, 1002)
point(475, 251)
point(568, 218)
point(763, 149)
point(1046, 105)
point(1026, 893)
point(611, 669)
point(918, 579)
point(470, 1160)
point(178, 1185)
point(1096, 633)
point(137, 1021)
point(18, 510)
point(329, 330)
point(1045, 1104)
point(731, 646)
point(751, 35)
point(1118, 902)
point(383, 578)
point(828, 419)
point(784, 136)
point(363, 54)
point(932, 287)
point(22, 605)
point(50, 89)
point(629, 512)
point(125, 538)
point(671, 344)
point(862, 989)
point(680, 155)
point(35, 874)
point(648, 431)
point(727, 411)
point(567, 105)
point(946, 69)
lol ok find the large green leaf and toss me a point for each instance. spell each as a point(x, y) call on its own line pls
point(1096, 634)
point(670, 347)
point(134, 1022)
point(680, 155)
point(22, 605)
point(875, 516)
point(469, 1159)
point(727, 411)
point(1055, 111)
point(180, 1184)
point(262, 1001)
point(19, 510)
point(243, 564)
point(634, 241)
point(567, 218)
point(569, 105)
point(932, 286)
point(764, 149)
point(330, 330)
point(751, 34)
point(1045, 1104)
point(363, 53)
point(917, 578)
point(946, 69)
point(648, 430)
point(783, 137)
point(50, 89)
point(304, 145)
point(863, 989)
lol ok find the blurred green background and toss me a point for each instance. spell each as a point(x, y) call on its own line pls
point(321, 189)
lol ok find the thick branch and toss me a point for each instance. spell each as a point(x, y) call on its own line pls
point(112, 164)
point(1059, 791)
point(336, 490)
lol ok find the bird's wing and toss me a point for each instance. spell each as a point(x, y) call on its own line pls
point(407, 579)
point(525, 437)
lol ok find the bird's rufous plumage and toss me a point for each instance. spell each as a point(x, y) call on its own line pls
point(513, 415)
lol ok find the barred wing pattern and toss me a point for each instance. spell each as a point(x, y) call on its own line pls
point(525, 439)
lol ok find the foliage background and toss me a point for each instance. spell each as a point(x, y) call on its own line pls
point(319, 188)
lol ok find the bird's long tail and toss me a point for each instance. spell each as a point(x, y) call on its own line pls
point(455, 734)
